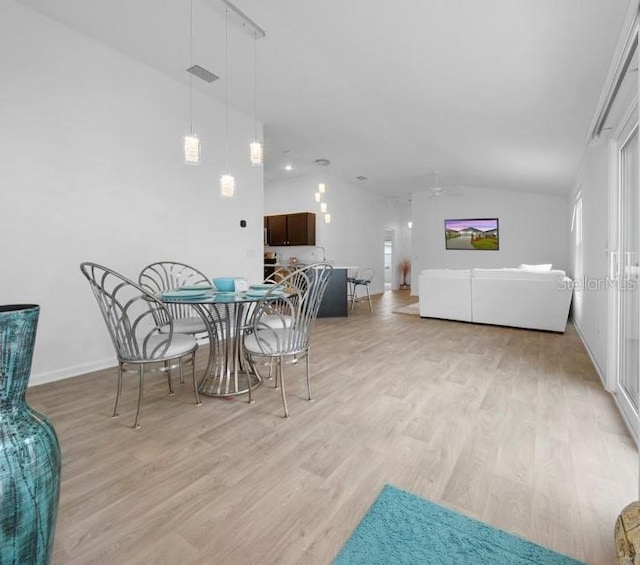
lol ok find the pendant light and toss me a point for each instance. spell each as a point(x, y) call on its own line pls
point(227, 180)
point(255, 146)
point(191, 143)
point(323, 165)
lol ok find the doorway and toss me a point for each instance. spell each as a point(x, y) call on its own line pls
point(388, 259)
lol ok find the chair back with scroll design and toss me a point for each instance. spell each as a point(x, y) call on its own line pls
point(282, 321)
point(278, 274)
point(130, 314)
point(162, 276)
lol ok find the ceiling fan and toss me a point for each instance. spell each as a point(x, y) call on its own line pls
point(437, 190)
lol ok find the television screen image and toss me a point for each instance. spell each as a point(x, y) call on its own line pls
point(479, 234)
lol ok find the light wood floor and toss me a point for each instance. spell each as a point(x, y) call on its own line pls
point(508, 426)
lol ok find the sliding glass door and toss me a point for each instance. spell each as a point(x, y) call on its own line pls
point(626, 267)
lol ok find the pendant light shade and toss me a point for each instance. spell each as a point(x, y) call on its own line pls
point(327, 218)
point(227, 186)
point(256, 153)
point(323, 207)
point(322, 188)
point(191, 149)
point(318, 197)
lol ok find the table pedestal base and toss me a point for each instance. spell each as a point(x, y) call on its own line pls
point(222, 385)
point(227, 371)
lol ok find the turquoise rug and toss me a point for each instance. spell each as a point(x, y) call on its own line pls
point(403, 529)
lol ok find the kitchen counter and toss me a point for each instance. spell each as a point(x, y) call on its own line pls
point(285, 265)
point(304, 264)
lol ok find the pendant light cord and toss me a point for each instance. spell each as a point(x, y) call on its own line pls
point(190, 65)
point(226, 33)
point(255, 84)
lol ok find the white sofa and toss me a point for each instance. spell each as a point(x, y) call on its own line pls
point(505, 297)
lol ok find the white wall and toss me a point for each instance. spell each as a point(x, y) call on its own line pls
point(91, 169)
point(355, 235)
point(533, 229)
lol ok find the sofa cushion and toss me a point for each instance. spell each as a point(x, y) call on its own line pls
point(448, 273)
point(542, 267)
point(517, 274)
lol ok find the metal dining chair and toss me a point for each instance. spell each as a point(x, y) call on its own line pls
point(362, 278)
point(131, 313)
point(278, 274)
point(163, 276)
point(280, 329)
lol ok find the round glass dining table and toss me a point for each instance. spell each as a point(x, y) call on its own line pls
point(225, 315)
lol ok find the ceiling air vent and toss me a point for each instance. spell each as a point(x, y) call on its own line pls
point(361, 178)
point(202, 73)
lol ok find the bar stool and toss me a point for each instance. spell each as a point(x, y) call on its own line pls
point(362, 278)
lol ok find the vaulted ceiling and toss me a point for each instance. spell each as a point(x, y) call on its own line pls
point(496, 94)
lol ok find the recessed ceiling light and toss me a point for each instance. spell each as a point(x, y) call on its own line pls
point(288, 167)
point(361, 178)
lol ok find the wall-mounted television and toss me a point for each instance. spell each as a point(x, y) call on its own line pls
point(474, 234)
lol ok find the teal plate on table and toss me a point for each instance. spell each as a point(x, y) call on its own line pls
point(185, 293)
point(255, 293)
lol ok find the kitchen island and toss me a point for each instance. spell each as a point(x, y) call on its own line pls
point(335, 302)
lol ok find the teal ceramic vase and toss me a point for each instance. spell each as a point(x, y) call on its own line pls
point(29, 449)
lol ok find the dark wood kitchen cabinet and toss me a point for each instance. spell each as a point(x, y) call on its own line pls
point(301, 228)
point(277, 230)
point(291, 229)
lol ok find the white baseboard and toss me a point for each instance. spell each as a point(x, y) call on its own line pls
point(603, 379)
point(632, 431)
point(74, 371)
point(629, 426)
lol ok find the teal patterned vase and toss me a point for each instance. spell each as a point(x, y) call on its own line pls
point(29, 450)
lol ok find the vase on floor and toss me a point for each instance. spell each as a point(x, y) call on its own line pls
point(29, 449)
